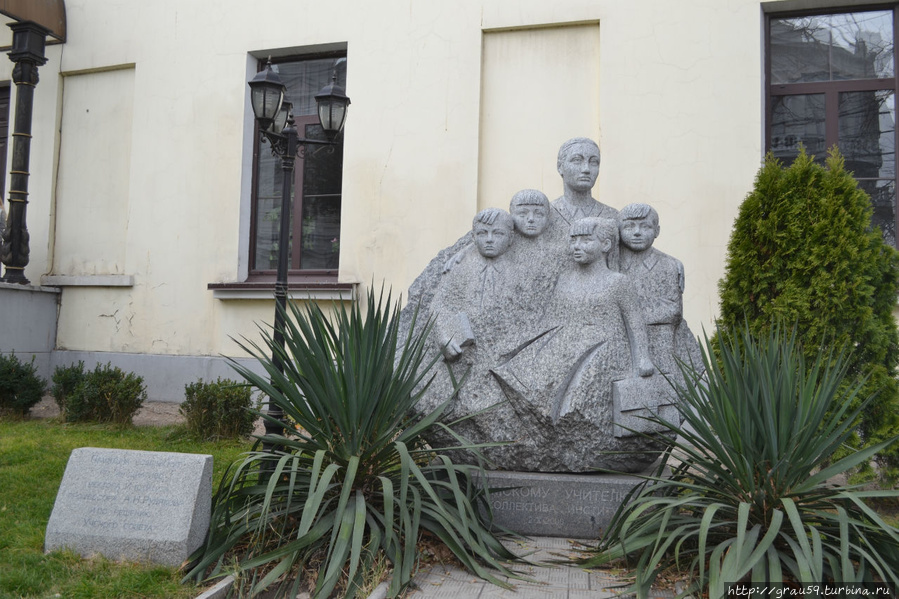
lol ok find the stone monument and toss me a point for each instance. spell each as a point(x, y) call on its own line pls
point(565, 322)
point(558, 328)
point(145, 506)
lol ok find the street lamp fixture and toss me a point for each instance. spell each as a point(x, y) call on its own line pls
point(275, 118)
point(28, 40)
point(332, 104)
point(280, 120)
point(266, 96)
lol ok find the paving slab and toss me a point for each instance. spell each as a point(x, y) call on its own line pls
point(548, 580)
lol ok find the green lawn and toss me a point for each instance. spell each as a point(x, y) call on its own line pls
point(33, 456)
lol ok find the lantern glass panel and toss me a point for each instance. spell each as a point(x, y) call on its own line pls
point(332, 115)
point(281, 120)
point(266, 102)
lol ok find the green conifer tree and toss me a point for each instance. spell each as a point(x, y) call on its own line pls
point(803, 251)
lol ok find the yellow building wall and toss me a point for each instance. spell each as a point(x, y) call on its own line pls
point(537, 84)
point(94, 169)
point(455, 105)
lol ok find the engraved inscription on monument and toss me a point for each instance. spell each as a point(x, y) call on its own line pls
point(569, 505)
point(135, 505)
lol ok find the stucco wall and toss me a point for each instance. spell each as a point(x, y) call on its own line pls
point(159, 191)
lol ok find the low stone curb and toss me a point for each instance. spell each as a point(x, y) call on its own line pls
point(380, 591)
point(219, 591)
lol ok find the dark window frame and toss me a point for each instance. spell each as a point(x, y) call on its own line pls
point(295, 273)
point(832, 89)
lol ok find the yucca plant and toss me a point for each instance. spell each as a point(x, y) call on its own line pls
point(351, 481)
point(748, 497)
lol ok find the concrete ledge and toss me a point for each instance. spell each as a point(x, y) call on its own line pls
point(257, 294)
point(88, 280)
point(297, 290)
point(29, 288)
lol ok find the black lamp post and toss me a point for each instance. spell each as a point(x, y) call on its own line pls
point(28, 40)
point(273, 113)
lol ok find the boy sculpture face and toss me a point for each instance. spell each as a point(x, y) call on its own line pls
point(492, 239)
point(638, 226)
point(638, 234)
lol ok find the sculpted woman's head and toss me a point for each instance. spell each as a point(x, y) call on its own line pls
point(578, 163)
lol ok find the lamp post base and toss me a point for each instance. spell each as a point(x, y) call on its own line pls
point(15, 275)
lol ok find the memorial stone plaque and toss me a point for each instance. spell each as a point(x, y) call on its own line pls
point(556, 505)
point(145, 506)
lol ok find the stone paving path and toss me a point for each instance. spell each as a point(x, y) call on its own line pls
point(549, 582)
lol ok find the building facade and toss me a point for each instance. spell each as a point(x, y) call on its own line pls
point(153, 206)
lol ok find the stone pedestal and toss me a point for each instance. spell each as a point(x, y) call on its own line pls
point(556, 505)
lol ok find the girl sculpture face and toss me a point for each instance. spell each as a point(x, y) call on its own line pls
point(587, 249)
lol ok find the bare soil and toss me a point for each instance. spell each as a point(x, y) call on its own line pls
point(152, 413)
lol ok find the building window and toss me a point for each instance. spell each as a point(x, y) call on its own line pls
point(315, 214)
point(831, 81)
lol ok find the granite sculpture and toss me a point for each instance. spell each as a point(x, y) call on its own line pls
point(558, 327)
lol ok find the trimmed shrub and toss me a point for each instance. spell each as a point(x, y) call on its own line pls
point(803, 251)
point(65, 380)
point(107, 394)
point(220, 410)
point(20, 386)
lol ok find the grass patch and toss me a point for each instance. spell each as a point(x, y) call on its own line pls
point(33, 457)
